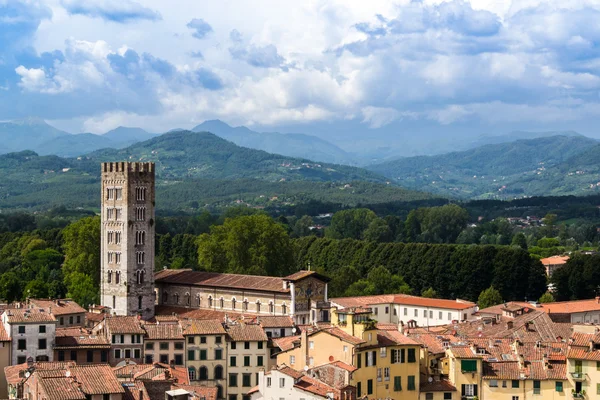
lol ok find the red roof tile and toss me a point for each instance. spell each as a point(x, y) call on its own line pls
point(275, 321)
point(215, 279)
point(29, 315)
point(441, 385)
point(364, 301)
point(555, 260)
point(203, 327)
point(287, 342)
point(123, 324)
point(59, 307)
point(163, 332)
point(246, 333)
point(63, 388)
point(96, 379)
point(200, 392)
point(298, 276)
point(568, 307)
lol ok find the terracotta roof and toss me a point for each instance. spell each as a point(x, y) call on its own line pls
point(203, 327)
point(497, 309)
point(340, 334)
point(281, 321)
point(29, 315)
point(441, 385)
point(196, 313)
point(96, 379)
point(63, 388)
point(315, 386)
point(79, 337)
point(12, 373)
point(4, 335)
point(123, 324)
point(391, 338)
point(94, 317)
point(284, 369)
point(555, 260)
point(434, 342)
point(129, 370)
point(568, 307)
point(287, 342)
point(132, 391)
point(215, 279)
point(298, 276)
point(163, 332)
point(501, 370)
point(402, 299)
point(246, 333)
point(583, 353)
point(208, 393)
point(387, 326)
point(464, 352)
point(344, 366)
point(59, 307)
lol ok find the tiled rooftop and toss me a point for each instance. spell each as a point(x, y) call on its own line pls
point(402, 299)
point(246, 333)
point(96, 379)
point(287, 342)
point(203, 327)
point(215, 279)
point(123, 324)
point(79, 338)
point(29, 315)
point(280, 321)
point(58, 307)
point(164, 332)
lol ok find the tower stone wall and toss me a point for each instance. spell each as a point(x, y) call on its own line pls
point(127, 234)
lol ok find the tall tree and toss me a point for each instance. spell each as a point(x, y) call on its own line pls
point(350, 224)
point(489, 297)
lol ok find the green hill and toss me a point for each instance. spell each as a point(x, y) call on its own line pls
point(535, 167)
point(193, 169)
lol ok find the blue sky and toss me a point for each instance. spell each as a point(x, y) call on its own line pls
point(342, 66)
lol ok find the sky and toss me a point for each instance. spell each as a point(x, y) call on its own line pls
point(345, 69)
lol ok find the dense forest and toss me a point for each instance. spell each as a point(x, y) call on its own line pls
point(424, 249)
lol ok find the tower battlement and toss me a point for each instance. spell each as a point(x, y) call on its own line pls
point(123, 166)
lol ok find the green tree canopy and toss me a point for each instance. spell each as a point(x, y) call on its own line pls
point(489, 297)
point(253, 244)
point(547, 298)
point(429, 293)
point(350, 224)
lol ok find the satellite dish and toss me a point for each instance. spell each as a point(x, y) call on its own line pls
point(294, 330)
point(68, 373)
point(306, 367)
point(27, 374)
point(430, 379)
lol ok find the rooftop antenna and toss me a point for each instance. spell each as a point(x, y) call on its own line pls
point(309, 265)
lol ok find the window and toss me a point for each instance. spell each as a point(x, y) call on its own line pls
point(503, 384)
point(190, 340)
point(246, 380)
point(597, 388)
point(117, 353)
point(515, 384)
point(140, 300)
point(110, 194)
point(222, 302)
point(191, 355)
point(311, 361)
point(424, 313)
point(245, 305)
point(246, 361)
point(469, 390)
point(78, 320)
point(202, 355)
point(281, 382)
point(259, 361)
point(293, 360)
point(359, 389)
point(192, 373)
point(469, 366)
point(141, 213)
point(558, 386)
point(449, 316)
point(370, 386)
point(118, 261)
point(22, 344)
point(447, 396)
point(416, 313)
point(405, 311)
point(218, 339)
point(412, 357)
point(128, 353)
point(259, 345)
point(202, 339)
point(258, 306)
point(90, 356)
point(118, 237)
point(283, 309)
point(247, 345)
point(140, 257)
point(61, 355)
point(440, 316)
point(21, 328)
point(232, 361)
point(428, 396)
point(218, 354)
point(493, 383)
point(397, 384)
point(387, 310)
point(42, 344)
point(271, 308)
point(233, 380)
point(371, 358)
point(233, 304)
point(268, 382)
point(382, 352)
point(233, 345)
point(536, 387)
point(140, 278)
point(358, 360)
point(74, 355)
point(42, 328)
point(203, 373)
point(163, 345)
point(164, 358)
point(178, 359)
point(311, 344)
point(21, 359)
point(210, 301)
point(104, 356)
point(140, 237)
point(117, 277)
point(386, 374)
point(375, 310)
point(411, 383)
point(178, 345)
point(515, 398)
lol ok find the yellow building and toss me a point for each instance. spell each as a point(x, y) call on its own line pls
point(465, 371)
point(387, 365)
point(164, 343)
point(583, 364)
point(206, 352)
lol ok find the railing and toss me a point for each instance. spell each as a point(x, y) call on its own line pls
point(578, 375)
point(578, 395)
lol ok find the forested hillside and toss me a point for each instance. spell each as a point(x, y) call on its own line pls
point(537, 167)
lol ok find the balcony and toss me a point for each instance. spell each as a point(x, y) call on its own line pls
point(580, 395)
point(578, 376)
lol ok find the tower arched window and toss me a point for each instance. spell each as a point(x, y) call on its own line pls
point(140, 302)
point(245, 307)
point(233, 303)
point(258, 306)
point(210, 301)
point(222, 302)
point(198, 300)
point(192, 373)
point(283, 309)
point(140, 276)
point(118, 277)
point(271, 307)
point(218, 372)
point(187, 299)
point(220, 392)
point(165, 297)
point(176, 298)
point(109, 276)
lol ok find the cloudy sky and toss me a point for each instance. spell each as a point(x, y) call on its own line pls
point(310, 65)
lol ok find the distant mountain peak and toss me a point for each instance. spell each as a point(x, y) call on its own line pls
point(29, 121)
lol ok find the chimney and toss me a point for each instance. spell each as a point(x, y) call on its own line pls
point(304, 344)
point(545, 360)
point(521, 361)
point(172, 363)
point(401, 327)
point(591, 345)
point(598, 299)
point(509, 325)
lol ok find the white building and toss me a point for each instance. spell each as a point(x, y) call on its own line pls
point(396, 308)
point(32, 331)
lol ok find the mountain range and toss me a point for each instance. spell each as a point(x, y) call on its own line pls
point(544, 166)
point(193, 168)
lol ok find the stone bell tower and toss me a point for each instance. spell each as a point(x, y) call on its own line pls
point(127, 234)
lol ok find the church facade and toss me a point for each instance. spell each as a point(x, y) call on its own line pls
point(130, 287)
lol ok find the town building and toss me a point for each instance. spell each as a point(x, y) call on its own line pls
point(247, 355)
point(396, 308)
point(302, 296)
point(206, 350)
point(126, 337)
point(32, 332)
point(67, 312)
point(127, 238)
point(81, 346)
point(164, 343)
point(553, 263)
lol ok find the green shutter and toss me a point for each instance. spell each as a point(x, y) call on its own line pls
point(370, 386)
point(402, 356)
point(358, 389)
point(202, 354)
point(559, 386)
point(411, 356)
point(191, 355)
point(411, 382)
point(468, 365)
point(358, 360)
point(397, 384)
